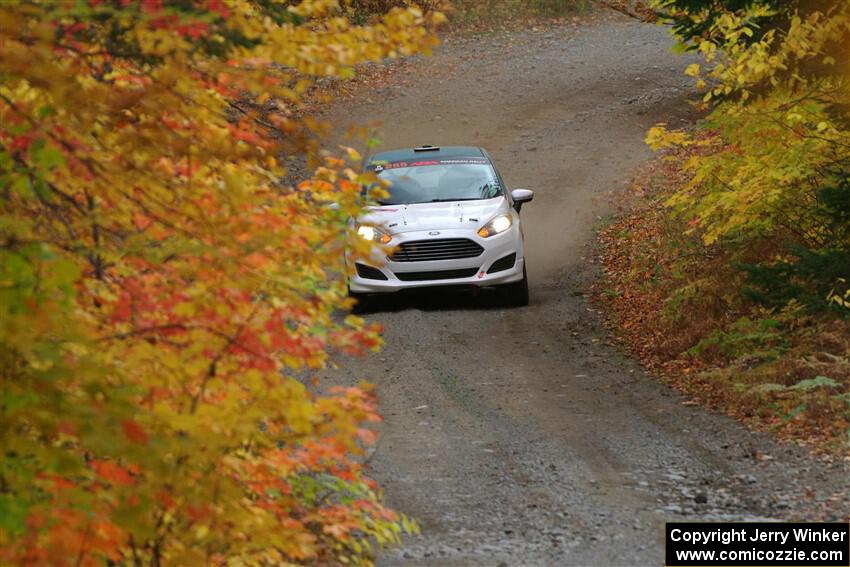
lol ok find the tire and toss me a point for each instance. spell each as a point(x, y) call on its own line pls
point(363, 302)
point(517, 293)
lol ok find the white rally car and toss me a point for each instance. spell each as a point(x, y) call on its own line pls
point(450, 221)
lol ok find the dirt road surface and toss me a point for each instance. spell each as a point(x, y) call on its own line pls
point(518, 436)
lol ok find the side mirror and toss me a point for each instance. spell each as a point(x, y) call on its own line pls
point(521, 196)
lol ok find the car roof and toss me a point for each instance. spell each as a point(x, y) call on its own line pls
point(430, 152)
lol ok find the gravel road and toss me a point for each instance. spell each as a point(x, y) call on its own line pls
point(519, 436)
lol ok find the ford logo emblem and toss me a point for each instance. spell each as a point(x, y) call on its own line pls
point(434, 233)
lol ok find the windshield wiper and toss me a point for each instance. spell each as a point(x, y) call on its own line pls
point(451, 200)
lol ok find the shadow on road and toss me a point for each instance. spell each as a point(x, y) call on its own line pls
point(443, 299)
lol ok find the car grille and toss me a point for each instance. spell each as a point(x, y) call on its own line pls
point(369, 273)
point(503, 264)
point(436, 275)
point(437, 249)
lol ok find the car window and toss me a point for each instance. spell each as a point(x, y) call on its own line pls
point(438, 181)
point(502, 182)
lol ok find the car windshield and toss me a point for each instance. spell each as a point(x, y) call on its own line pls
point(438, 181)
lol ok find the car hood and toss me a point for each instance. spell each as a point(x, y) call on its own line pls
point(434, 216)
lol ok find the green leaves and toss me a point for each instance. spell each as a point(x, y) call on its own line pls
point(45, 156)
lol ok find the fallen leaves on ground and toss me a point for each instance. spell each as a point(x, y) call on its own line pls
point(665, 293)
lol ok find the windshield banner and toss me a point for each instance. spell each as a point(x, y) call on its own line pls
point(380, 165)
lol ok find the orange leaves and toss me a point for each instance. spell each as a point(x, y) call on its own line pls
point(193, 30)
point(22, 142)
point(247, 134)
point(198, 513)
point(367, 436)
point(151, 6)
point(69, 538)
point(161, 279)
point(114, 473)
point(134, 432)
point(122, 308)
point(358, 342)
point(338, 522)
point(58, 482)
point(218, 7)
point(638, 256)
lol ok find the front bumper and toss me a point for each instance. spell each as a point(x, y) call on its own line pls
point(495, 248)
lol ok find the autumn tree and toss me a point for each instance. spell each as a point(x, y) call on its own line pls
point(749, 228)
point(775, 75)
point(164, 296)
point(696, 20)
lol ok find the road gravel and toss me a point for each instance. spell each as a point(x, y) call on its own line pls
point(520, 436)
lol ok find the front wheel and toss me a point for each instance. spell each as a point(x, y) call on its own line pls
point(517, 292)
point(363, 302)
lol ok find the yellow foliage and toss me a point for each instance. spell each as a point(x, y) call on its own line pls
point(777, 128)
point(659, 137)
point(160, 286)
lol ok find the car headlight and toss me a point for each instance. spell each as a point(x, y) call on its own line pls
point(373, 234)
point(497, 225)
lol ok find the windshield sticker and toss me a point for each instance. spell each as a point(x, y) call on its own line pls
point(380, 166)
point(465, 161)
